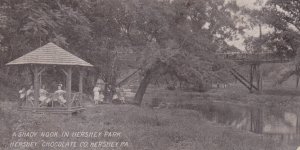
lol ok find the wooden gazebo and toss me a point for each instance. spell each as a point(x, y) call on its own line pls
point(51, 55)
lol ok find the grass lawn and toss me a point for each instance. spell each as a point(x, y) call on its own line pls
point(151, 129)
point(143, 128)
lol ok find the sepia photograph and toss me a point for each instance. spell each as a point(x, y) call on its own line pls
point(149, 74)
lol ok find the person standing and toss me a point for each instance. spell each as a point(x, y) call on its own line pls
point(96, 91)
point(99, 92)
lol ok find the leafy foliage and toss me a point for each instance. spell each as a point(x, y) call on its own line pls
point(177, 38)
point(282, 19)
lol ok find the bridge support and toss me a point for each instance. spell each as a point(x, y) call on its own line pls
point(252, 70)
point(255, 73)
point(260, 78)
point(256, 120)
point(298, 125)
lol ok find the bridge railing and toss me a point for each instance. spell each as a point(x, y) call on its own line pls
point(266, 57)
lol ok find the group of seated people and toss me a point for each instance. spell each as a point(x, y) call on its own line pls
point(117, 94)
point(44, 97)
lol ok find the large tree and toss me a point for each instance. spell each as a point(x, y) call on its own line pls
point(181, 39)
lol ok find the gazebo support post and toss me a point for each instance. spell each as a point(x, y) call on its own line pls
point(69, 87)
point(80, 84)
point(40, 76)
point(36, 85)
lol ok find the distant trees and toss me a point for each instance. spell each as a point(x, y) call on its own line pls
point(282, 17)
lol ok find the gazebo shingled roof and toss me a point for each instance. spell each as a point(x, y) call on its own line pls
point(50, 54)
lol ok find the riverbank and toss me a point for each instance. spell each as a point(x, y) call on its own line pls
point(141, 127)
point(285, 97)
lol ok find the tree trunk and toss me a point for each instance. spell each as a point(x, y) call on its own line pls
point(142, 88)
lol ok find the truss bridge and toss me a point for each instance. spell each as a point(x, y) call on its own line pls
point(254, 60)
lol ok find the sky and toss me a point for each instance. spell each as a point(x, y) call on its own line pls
point(254, 32)
point(246, 2)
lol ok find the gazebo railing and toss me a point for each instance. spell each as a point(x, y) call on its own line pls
point(54, 106)
point(76, 99)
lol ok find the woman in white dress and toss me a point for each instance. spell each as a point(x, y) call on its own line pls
point(43, 96)
point(98, 95)
point(60, 95)
point(98, 91)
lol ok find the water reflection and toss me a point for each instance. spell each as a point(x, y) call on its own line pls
point(270, 121)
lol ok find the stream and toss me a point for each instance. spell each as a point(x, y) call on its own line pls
point(268, 121)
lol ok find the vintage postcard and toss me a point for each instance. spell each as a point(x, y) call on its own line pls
point(149, 74)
